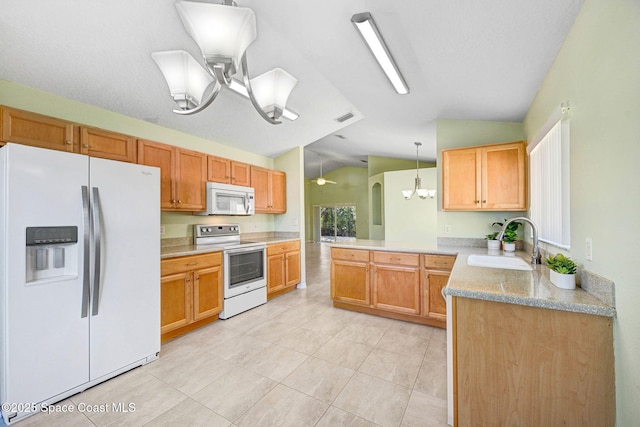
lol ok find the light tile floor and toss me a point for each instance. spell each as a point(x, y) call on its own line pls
point(296, 361)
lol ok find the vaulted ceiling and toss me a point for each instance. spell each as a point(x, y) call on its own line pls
point(462, 59)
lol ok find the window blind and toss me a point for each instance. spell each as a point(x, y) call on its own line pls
point(549, 172)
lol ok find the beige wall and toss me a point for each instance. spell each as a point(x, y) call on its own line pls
point(463, 133)
point(597, 70)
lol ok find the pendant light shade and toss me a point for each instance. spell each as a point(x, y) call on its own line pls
point(222, 33)
point(272, 90)
point(187, 80)
point(423, 193)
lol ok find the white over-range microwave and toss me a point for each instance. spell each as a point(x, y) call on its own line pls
point(227, 199)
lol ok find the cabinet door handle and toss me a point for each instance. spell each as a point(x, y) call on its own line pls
point(193, 263)
point(68, 142)
point(484, 201)
point(395, 259)
point(187, 280)
point(85, 145)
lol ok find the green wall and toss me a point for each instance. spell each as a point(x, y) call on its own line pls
point(413, 220)
point(598, 71)
point(26, 98)
point(351, 188)
point(378, 164)
point(463, 133)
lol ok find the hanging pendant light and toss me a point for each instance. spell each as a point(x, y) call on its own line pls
point(422, 193)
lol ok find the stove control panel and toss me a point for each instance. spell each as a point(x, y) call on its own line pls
point(214, 230)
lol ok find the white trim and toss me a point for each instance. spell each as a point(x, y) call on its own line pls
point(559, 113)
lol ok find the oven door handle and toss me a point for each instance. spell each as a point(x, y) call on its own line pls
point(242, 250)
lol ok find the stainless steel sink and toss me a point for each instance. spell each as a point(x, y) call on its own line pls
point(499, 261)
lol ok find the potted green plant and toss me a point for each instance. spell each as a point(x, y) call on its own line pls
point(563, 271)
point(510, 234)
point(492, 242)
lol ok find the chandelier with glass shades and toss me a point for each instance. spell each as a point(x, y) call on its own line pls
point(421, 192)
point(223, 32)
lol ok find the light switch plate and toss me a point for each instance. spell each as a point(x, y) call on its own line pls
point(588, 249)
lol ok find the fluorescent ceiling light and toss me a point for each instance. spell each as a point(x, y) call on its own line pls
point(366, 26)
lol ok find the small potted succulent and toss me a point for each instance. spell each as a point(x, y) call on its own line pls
point(563, 271)
point(510, 235)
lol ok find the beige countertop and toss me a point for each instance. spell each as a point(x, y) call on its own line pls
point(185, 250)
point(530, 288)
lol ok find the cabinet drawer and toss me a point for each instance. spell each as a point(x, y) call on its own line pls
point(350, 254)
point(396, 258)
point(188, 263)
point(439, 262)
point(280, 248)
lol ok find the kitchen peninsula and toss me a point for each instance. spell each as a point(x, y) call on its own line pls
point(523, 352)
point(520, 350)
point(399, 280)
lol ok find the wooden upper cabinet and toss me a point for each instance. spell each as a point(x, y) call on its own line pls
point(218, 169)
point(163, 157)
point(107, 145)
point(228, 171)
point(190, 178)
point(240, 174)
point(182, 177)
point(28, 128)
point(270, 190)
point(260, 183)
point(490, 177)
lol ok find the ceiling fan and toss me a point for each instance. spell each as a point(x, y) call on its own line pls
point(320, 180)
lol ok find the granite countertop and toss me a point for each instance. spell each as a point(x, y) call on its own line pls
point(176, 251)
point(386, 245)
point(530, 288)
point(185, 250)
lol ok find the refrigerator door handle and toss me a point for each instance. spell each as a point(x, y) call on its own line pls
point(85, 273)
point(97, 243)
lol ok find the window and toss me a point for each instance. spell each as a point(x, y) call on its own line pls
point(549, 172)
point(337, 223)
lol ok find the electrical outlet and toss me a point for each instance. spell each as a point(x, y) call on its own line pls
point(588, 249)
point(162, 230)
point(447, 229)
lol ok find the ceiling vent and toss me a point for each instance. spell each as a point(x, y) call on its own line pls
point(344, 118)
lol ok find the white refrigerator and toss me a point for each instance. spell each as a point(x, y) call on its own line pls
point(79, 273)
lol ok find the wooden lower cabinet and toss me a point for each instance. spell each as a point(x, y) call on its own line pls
point(437, 270)
point(191, 293)
point(396, 282)
point(515, 365)
point(283, 267)
point(389, 284)
point(350, 282)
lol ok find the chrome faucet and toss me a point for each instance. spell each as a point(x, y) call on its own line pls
point(535, 254)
